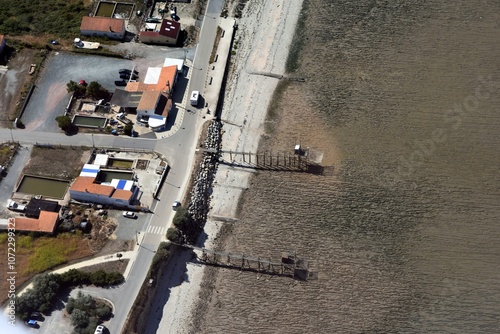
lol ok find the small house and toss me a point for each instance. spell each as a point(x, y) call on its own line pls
point(167, 33)
point(103, 27)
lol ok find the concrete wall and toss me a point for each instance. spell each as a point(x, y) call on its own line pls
point(109, 34)
point(158, 39)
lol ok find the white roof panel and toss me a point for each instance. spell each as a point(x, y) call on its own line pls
point(171, 61)
point(152, 75)
point(101, 159)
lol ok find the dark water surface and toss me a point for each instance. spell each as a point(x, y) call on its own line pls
point(403, 228)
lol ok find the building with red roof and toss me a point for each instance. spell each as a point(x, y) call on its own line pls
point(164, 33)
point(103, 27)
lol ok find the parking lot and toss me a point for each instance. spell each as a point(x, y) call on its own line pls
point(50, 97)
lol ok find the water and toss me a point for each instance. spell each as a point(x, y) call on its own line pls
point(108, 176)
point(402, 229)
point(42, 186)
point(105, 9)
point(87, 121)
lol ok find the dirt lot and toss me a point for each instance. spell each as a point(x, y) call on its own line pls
point(57, 162)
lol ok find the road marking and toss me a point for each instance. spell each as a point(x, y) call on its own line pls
point(156, 229)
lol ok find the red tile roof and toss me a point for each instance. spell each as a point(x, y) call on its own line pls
point(148, 100)
point(170, 28)
point(86, 184)
point(122, 194)
point(46, 222)
point(104, 24)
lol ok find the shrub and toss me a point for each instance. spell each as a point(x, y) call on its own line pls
point(64, 122)
point(181, 218)
point(40, 297)
point(103, 312)
point(79, 318)
point(96, 91)
point(174, 235)
point(128, 129)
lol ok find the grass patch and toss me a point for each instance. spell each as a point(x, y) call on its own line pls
point(50, 252)
point(292, 61)
point(121, 164)
point(7, 152)
point(60, 17)
point(3, 237)
point(24, 241)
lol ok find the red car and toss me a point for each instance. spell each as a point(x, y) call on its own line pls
point(83, 83)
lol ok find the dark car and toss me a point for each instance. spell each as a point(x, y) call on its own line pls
point(127, 76)
point(36, 316)
point(120, 83)
point(125, 71)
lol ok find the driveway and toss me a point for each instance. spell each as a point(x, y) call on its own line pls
point(8, 183)
point(50, 97)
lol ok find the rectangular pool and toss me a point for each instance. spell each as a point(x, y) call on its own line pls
point(109, 175)
point(37, 185)
point(89, 121)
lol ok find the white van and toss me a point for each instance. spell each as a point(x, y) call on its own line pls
point(195, 96)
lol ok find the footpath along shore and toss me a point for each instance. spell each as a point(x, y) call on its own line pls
point(264, 36)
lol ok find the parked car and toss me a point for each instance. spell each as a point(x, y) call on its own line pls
point(120, 83)
point(31, 323)
point(126, 76)
point(83, 83)
point(176, 205)
point(153, 20)
point(126, 71)
point(129, 214)
point(54, 42)
point(36, 316)
point(99, 329)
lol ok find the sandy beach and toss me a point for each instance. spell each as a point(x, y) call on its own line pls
point(264, 34)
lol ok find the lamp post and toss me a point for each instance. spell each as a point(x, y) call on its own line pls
point(136, 238)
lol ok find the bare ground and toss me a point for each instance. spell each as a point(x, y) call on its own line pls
point(58, 162)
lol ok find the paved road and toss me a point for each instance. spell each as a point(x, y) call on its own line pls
point(10, 180)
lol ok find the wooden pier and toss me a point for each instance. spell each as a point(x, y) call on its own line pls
point(290, 265)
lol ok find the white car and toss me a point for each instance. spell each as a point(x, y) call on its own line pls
point(99, 329)
point(129, 214)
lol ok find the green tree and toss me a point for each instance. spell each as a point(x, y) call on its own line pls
point(128, 129)
point(64, 122)
point(103, 312)
point(76, 88)
point(174, 235)
point(40, 297)
point(79, 318)
point(96, 91)
point(181, 218)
